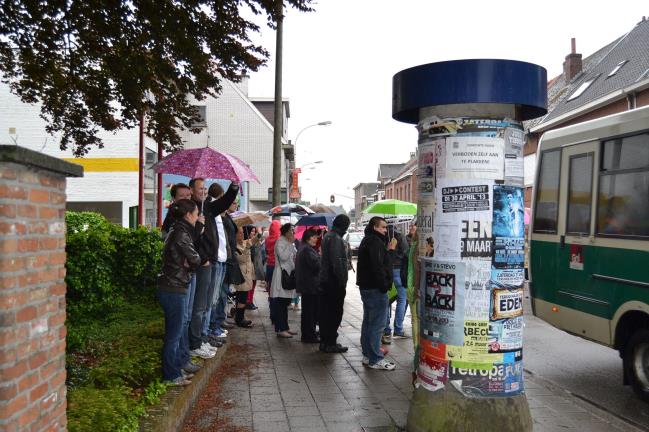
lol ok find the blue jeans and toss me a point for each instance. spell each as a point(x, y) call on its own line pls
point(199, 308)
point(402, 302)
point(375, 309)
point(218, 315)
point(187, 318)
point(214, 293)
point(173, 305)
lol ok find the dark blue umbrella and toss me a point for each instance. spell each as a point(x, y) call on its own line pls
point(317, 219)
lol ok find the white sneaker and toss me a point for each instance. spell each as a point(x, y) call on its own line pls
point(365, 361)
point(383, 364)
point(207, 347)
point(204, 354)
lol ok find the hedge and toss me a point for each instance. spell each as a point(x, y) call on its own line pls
point(108, 264)
point(115, 325)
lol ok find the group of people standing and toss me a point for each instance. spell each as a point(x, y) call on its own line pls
point(206, 253)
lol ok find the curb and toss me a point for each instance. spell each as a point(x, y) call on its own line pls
point(169, 414)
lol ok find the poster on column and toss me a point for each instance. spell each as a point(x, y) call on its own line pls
point(425, 216)
point(475, 157)
point(440, 159)
point(508, 228)
point(514, 162)
point(457, 196)
point(501, 379)
point(442, 286)
point(476, 241)
point(426, 167)
point(432, 371)
point(506, 336)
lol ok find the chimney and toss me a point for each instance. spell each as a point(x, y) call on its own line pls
point(243, 84)
point(572, 65)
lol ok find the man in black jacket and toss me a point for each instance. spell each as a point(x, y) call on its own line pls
point(333, 284)
point(307, 271)
point(207, 247)
point(374, 278)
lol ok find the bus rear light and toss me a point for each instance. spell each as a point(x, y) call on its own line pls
point(555, 309)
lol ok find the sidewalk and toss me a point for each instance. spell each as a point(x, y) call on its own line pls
point(267, 384)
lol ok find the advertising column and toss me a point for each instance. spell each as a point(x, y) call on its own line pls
point(471, 240)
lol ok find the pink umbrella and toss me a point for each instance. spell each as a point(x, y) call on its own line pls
point(207, 163)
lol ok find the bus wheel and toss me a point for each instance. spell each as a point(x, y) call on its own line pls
point(636, 363)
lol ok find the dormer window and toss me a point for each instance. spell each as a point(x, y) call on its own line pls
point(582, 88)
point(617, 68)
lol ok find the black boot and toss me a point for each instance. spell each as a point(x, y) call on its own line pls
point(240, 320)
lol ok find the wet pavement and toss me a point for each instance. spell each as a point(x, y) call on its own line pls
point(268, 384)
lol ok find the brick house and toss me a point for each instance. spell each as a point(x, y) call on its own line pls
point(613, 79)
point(364, 194)
point(404, 184)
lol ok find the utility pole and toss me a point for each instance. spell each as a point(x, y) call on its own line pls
point(469, 334)
point(279, 113)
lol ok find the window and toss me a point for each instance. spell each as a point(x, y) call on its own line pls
point(202, 113)
point(580, 194)
point(582, 88)
point(547, 194)
point(617, 68)
point(623, 199)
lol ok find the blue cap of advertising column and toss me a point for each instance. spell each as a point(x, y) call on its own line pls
point(468, 325)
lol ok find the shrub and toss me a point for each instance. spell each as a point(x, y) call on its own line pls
point(82, 221)
point(90, 272)
point(108, 264)
point(138, 257)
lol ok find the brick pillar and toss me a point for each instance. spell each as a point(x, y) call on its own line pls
point(32, 289)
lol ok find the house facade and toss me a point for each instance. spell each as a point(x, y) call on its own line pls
point(233, 124)
point(364, 195)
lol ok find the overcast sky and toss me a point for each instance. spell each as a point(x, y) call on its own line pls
point(340, 59)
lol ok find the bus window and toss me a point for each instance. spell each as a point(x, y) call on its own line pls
point(580, 194)
point(623, 205)
point(547, 196)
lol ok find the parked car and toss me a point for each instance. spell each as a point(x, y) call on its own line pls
point(353, 239)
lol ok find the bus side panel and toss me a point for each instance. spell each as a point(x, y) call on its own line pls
point(628, 264)
point(543, 260)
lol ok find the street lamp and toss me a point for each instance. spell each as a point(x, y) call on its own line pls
point(322, 123)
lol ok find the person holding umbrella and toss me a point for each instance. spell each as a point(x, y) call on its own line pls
point(207, 240)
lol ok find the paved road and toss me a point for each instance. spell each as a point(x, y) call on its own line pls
point(268, 384)
point(586, 369)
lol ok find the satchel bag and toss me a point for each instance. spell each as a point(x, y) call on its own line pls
point(288, 280)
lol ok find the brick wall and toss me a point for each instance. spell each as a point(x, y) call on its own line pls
point(32, 290)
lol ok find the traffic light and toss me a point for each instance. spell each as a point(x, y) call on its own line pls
point(332, 199)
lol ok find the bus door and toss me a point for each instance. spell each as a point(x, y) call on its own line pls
point(577, 254)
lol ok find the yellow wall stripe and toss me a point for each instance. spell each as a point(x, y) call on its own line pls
point(106, 164)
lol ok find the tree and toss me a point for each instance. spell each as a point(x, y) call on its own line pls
point(95, 64)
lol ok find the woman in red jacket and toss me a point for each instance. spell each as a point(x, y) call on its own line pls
point(273, 235)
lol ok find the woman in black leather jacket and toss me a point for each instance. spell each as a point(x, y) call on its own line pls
point(179, 259)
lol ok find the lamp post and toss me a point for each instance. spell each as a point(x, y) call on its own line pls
point(297, 137)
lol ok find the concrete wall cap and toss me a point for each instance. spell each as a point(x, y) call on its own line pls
point(24, 156)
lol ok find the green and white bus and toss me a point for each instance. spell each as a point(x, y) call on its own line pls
point(589, 248)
